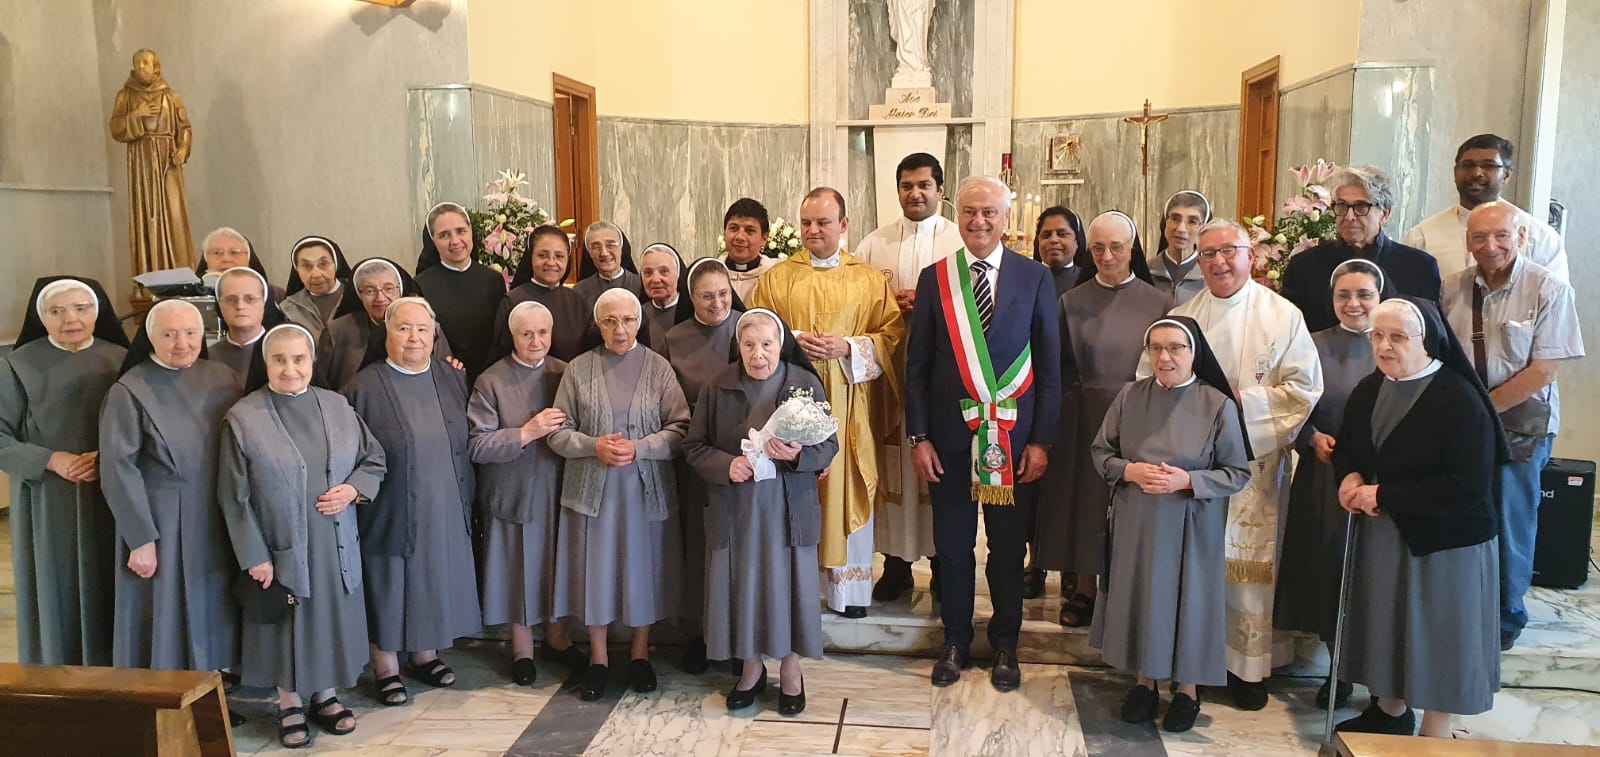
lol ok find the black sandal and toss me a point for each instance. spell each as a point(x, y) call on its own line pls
point(1080, 610)
point(330, 722)
point(432, 672)
point(386, 689)
point(285, 731)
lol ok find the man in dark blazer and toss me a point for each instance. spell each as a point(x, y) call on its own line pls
point(1004, 308)
point(1362, 200)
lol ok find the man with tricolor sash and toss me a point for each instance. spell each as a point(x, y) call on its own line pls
point(982, 399)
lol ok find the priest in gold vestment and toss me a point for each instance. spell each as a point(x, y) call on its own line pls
point(151, 120)
point(845, 318)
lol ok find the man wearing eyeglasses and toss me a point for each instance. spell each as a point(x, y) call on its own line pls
point(1518, 321)
point(1482, 168)
point(1363, 197)
point(1261, 341)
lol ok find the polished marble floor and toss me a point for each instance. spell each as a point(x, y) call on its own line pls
point(882, 704)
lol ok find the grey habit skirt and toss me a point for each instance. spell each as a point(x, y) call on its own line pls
point(761, 593)
point(519, 570)
point(323, 642)
point(617, 566)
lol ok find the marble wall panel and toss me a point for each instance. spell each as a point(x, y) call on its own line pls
point(1391, 115)
point(1196, 149)
point(950, 50)
point(1313, 122)
point(439, 148)
point(672, 181)
point(515, 133)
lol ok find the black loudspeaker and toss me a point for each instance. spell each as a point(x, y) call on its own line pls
point(1566, 517)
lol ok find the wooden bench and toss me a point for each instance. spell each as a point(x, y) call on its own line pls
point(51, 711)
point(1378, 745)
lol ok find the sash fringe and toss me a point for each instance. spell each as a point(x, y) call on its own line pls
point(1246, 572)
point(992, 494)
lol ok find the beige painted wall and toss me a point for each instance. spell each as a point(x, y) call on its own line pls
point(1090, 56)
point(701, 60)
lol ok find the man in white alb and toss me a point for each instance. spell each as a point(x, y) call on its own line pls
point(1483, 166)
point(903, 520)
point(1261, 341)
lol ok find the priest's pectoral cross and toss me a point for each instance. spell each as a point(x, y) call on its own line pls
point(1144, 122)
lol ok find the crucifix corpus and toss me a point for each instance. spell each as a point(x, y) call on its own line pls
point(1144, 122)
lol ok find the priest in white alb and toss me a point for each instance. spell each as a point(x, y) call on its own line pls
point(1261, 341)
point(900, 249)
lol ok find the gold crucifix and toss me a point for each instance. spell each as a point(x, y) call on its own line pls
point(1144, 122)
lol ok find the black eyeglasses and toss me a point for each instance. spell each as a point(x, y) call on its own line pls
point(1488, 166)
point(1361, 208)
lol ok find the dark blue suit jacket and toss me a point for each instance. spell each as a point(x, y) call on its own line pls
point(1025, 311)
point(1305, 282)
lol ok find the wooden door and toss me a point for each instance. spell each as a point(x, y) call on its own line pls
point(1258, 140)
point(577, 156)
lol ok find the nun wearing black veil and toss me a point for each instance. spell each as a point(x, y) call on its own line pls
point(666, 294)
point(1175, 264)
point(295, 460)
point(607, 263)
point(226, 248)
point(160, 429)
point(1060, 244)
point(1172, 448)
point(1417, 458)
point(761, 533)
point(245, 303)
point(62, 536)
point(356, 336)
point(319, 283)
point(540, 278)
point(464, 292)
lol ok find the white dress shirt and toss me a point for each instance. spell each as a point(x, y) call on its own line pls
point(1444, 236)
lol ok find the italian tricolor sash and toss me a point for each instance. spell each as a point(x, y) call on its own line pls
point(990, 408)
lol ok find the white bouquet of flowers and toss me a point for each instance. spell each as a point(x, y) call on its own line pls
point(801, 419)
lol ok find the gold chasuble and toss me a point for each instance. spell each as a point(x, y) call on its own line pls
point(851, 300)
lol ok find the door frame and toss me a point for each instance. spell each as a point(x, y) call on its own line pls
point(1267, 70)
point(577, 155)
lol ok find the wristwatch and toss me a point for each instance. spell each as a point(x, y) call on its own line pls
point(915, 439)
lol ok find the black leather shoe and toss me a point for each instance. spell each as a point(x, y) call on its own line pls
point(641, 676)
point(895, 581)
point(1140, 705)
point(1375, 720)
point(790, 705)
point(739, 699)
point(572, 657)
point(951, 662)
point(1339, 702)
point(1032, 584)
point(854, 612)
point(1508, 639)
point(1247, 695)
point(594, 683)
point(694, 657)
point(1180, 714)
point(523, 671)
point(1006, 675)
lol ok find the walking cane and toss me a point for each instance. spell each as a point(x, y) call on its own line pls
point(1327, 749)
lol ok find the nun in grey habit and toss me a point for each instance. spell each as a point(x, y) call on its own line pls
point(286, 432)
point(761, 535)
point(355, 338)
point(698, 349)
point(159, 433)
point(519, 487)
point(416, 543)
point(618, 551)
point(62, 536)
point(1172, 449)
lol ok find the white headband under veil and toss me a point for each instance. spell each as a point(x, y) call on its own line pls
point(63, 285)
point(356, 274)
point(1174, 324)
point(266, 339)
point(528, 305)
point(759, 311)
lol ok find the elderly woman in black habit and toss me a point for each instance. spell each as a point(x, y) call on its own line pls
point(1060, 244)
point(319, 282)
point(159, 432)
point(224, 249)
point(762, 533)
point(666, 291)
point(1175, 265)
point(607, 263)
point(519, 489)
point(698, 349)
point(1314, 529)
point(539, 278)
point(356, 337)
point(464, 292)
point(617, 550)
point(245, 304)
point(1172, 448)
point(51, 386)
point(1416, 457)
point(295, 459)
point(416, 544)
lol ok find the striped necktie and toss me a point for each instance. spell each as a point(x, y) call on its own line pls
point(981, 295)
